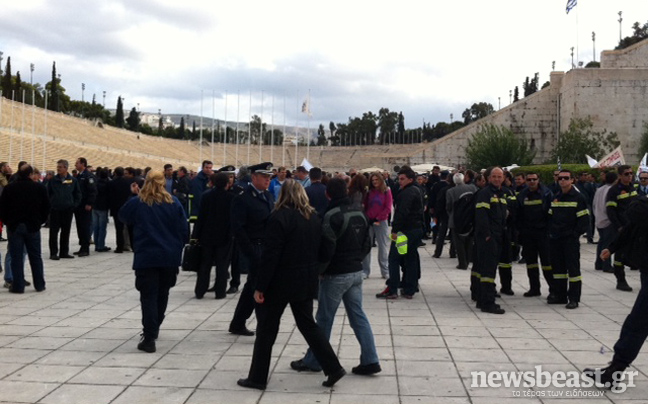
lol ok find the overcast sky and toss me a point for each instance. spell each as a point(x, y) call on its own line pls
point(426, 59)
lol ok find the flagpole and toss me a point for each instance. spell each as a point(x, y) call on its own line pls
point(238, 118)
point(225, 134)
point(45, 133)
point(201, 124)
point(261, 129)
point(249, 128)
point(308, 140)
point(22, 125)
point(283, 140)
point(213, 120)
point(296, 133)
point(33, 128)
point(272, 131)
point(13, 100)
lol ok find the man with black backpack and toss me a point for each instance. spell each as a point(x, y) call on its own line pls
point(460, 206)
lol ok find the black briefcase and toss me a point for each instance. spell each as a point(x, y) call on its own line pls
point(191, 257)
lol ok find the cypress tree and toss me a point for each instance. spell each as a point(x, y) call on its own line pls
point(54, 90)
point(119, 114)
point(6, 80)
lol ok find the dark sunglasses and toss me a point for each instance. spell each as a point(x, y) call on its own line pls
point(564, 178)
point(628, 174)
point(643, 178)
point(532, 179)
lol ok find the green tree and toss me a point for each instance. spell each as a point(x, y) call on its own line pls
point(496, 145)
point(477, 111)
point(387, 122)
point(335, 140)
point(401, 125)
point(516, 94)
point(640, 32)
point(18, 88)
point(581, 139)
point(133, 120)
point(181, 130)
point(7, 82)
point(643, 143)
point(54, 90)
point(119, 113)
point(321, 136)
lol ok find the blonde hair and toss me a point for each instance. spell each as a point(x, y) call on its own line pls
point(293, 196)
point(153, 190)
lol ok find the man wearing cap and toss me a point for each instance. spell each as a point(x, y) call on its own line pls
point(249, 214)
point(83, 212)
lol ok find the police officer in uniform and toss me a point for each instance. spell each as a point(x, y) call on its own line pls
point(532, 222)
point(250, 212)
point(490, 225)
point(569, 219)
point(618, 199)
point(83, 212)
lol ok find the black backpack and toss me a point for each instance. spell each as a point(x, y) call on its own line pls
point(463, 211)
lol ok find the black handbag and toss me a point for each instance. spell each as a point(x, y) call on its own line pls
point(191, 257)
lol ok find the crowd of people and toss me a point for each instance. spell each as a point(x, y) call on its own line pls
point(305, 234)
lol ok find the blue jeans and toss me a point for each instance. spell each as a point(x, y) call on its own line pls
point(19, 240)
point(346, 288)
point(410, 263)
point(8, 276)
point(99, 223)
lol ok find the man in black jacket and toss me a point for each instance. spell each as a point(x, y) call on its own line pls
point(83, 212)
point(343, 248)
point(407, 231)
point(118, 193)
point(24, 207)
point(213, 232)
point(65, 195)
point(249, 214)
point(569, 219)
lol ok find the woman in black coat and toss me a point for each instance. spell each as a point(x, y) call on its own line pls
point(289, 276)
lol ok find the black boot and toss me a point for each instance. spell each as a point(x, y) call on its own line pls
point(604, 377)
point(622, 284)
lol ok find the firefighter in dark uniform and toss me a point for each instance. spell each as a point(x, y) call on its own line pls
point(83, 212)
point(505, 265)
point(235, 190)
point(618, 199)
point(569, 220)
point(532, 221)
point(490, 225)
point(250, 212)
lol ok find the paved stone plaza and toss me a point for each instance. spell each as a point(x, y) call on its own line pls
point(76, 342)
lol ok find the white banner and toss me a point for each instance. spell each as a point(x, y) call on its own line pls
point(613, 159)
point(306, 164)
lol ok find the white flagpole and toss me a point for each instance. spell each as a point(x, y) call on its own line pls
point(45, 134)
point(261, 128)
point(308, 136)
point(249, 128)
point(272, 131)
point(225, 134)
point(283, 142)
point(201, 125)
point(238, 118)
point(296, 134)
point(213, 123)
point(22, 125)
point(33, 129)
point(13, 101)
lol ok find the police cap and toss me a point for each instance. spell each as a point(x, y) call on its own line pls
point(263, 168)
point(227, 170)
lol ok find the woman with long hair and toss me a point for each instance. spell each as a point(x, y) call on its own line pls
point(358, 190)
point(159, 234)
point(378, 206)
point(289, 276)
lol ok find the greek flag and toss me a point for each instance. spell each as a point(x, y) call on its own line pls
point(570, 4)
